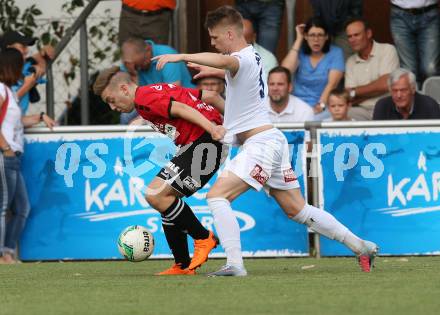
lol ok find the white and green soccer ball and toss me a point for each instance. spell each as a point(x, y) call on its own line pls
point(136, 243)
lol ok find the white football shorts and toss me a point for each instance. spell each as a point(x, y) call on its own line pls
point(264, 160)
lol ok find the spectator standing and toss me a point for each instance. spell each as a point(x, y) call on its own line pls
point(33, 69)
point(368, 69)
point(146, 19)
point(317, 65)
point(14, 195)
point(415, 28)
point(269, 60)
point(266, 16)
point(405, 102)
point(136, 59)
point(284, 107)
point(334, 14)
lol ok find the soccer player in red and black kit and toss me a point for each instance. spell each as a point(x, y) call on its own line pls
point(195, 126)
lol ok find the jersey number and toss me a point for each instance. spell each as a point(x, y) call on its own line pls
point(261, 82)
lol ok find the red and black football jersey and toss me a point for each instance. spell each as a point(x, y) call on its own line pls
point(153, 103)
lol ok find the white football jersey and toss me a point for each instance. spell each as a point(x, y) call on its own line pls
point(245, 94)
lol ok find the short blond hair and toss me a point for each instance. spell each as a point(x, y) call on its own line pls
point(341, 93)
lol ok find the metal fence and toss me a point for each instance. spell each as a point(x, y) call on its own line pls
point(66, 88)
point(64, 77)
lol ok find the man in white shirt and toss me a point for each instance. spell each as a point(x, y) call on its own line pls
point(367, 71)
point(263, 160)
point(269, 60)
point(284, 107)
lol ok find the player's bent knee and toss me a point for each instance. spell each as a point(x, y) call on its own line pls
point(220, 194)
point(159, 201)
point(154, 200)
point(291, 212)
point(212, 194)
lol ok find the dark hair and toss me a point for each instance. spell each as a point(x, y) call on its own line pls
point(360, 20)
point(316, 22)
point(281, 69)
point(224, 15)
point(137, 42)
point(11, 66)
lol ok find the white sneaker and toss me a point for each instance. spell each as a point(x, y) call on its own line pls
point(229, 271)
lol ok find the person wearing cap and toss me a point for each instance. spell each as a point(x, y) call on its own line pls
point(34, 66)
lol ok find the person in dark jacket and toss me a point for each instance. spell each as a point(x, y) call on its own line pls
point(405, 102)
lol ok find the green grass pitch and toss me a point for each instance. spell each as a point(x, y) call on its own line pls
point(409, 285)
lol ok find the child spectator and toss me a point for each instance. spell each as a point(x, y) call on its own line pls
point(338, 105)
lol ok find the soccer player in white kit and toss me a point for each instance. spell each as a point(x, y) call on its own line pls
point(263, 160)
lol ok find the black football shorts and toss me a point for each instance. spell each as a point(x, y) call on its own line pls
point(194, 165)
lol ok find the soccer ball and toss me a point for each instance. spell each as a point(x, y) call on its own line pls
point(136, 243)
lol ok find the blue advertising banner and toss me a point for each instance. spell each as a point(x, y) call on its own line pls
point(84, 189)
point(384, 185)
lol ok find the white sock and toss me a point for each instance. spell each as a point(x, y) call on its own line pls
point(228, 230)
point(325, 224)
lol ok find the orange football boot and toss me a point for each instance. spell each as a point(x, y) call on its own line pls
point(176, 270)
point(202, 248)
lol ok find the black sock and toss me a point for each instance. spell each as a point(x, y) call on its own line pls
point(183, 218)
point(178, 243)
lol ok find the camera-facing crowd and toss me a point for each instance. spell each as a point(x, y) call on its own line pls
point(335, 70)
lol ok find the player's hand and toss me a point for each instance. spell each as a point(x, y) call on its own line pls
point(205, 71)
point(162, 60)
point(218, 132)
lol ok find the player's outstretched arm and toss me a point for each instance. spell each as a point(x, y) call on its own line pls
point(207, 59)
point(205, 71)
point(183, 111)
point(214, 99)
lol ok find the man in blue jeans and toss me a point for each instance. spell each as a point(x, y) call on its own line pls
point(136, 60)
point(415, 27)
point(266, 16)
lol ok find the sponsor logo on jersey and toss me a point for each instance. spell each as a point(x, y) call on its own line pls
point(167, 129)
point(173, 167)
point(204, 106)
point(289, 175)
point(191, 183)
point(170, 131)
point(157, 87)
point(259, 174)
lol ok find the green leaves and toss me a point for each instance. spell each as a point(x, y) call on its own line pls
point(102, 32)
